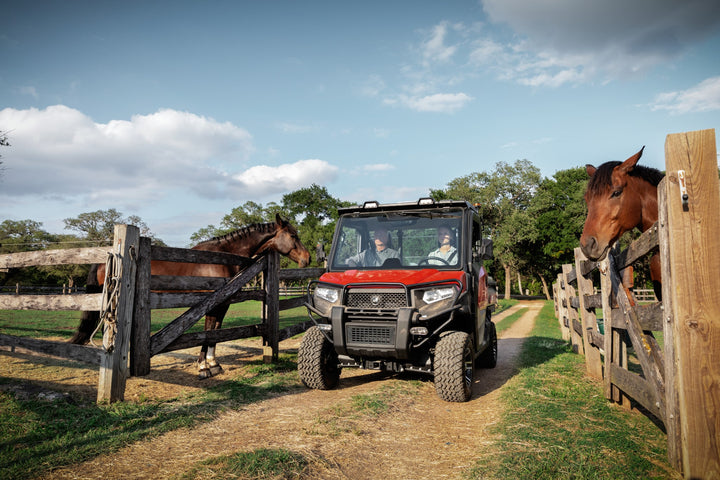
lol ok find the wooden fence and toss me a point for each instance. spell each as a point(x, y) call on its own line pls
point(129, 345)
point(679, 383)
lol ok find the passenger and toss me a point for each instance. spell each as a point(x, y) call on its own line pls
point(374, 257)
point(446, 253)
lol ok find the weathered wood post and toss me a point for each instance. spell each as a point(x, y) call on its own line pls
point(672, 400)
point(693, 203)
point(140, 340)
point(271, 313)
point(114, 361)
point(576, 339)
point(593, 362)
point(613, 343)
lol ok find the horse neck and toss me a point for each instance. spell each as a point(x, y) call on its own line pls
point(648, 204)
point(246, 243)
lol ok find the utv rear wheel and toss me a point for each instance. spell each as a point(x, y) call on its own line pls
point(488, 358)
point(317, 361)
point(454, 367)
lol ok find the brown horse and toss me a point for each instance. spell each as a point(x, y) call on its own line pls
point(620, 196)
point(248, 241)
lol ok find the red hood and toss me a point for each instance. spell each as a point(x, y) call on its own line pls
point(406, 277)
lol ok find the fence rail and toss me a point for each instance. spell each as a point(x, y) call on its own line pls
point(131, 347)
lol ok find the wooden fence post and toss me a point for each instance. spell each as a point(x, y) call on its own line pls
point(694, 229)
point(613, 342)
point(140, 340)
point(114, 363)
point(672, 401)
point(576, 339)
point(562, 306)
point(271, 314)
point(593, 361)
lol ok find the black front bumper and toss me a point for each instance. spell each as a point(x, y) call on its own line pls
point(355, 337)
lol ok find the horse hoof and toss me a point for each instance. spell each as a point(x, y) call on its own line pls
point(204, 373)
point(216, 370)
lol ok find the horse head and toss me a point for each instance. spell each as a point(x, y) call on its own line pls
point(618, 200)
point(287, 242)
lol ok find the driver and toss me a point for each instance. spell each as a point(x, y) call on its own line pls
point(446, 253)
point(376, 256)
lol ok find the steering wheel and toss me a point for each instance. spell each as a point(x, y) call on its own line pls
point(426, 260)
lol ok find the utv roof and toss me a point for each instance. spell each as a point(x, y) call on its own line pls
point(421, 204)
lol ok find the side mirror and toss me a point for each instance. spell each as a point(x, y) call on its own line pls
point(483, 249)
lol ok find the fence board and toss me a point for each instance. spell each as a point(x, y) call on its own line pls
point(82, 301)
point(81, 353)
point(54, 257)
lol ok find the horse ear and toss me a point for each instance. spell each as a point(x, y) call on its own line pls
point(627, 166)
point(279, 220)
point(590, 170)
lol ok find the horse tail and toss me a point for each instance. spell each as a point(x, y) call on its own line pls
point(88, 320)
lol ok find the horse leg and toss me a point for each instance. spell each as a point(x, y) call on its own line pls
point(656, 275)
point(88, 320)
point(207, 364)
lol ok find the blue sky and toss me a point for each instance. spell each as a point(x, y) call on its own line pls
point(178, 111)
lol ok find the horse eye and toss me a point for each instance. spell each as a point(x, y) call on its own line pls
point(616, 193)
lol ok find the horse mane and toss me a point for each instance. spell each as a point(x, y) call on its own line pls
point(603, 175)
point(243, 232)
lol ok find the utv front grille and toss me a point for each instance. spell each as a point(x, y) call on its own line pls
point(376, 298)
point(370, 335)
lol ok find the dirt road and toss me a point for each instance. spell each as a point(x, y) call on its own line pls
point(423, 438)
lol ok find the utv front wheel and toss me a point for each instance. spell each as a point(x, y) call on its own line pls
point(454, 367)
point(317, 361)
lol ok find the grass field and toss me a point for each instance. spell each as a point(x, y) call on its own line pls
point(62, 324)
point(555, 423)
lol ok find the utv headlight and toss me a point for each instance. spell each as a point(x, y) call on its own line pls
point(438, 294)
point(325, 297)
point(328, 294)
point(433, 300)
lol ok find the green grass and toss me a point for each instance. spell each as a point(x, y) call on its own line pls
point(37, 436)
point(349, 417)
point(558, 424)
point(43, 324)
point(259, 464)
point(507, 322)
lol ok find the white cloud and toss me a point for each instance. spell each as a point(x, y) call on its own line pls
point(295, 128)
point(704, 97)
point(62, 154)
point(264, 180)
point(378, 167)
point(439, 102)
point(434, 48)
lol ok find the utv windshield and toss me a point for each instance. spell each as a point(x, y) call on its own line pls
point(391, 240)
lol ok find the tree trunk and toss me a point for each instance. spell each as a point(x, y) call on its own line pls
point(520, 290)
point(507, 281)
point(545, 287)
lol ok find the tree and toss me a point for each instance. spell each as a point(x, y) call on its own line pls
point(99, 226)
point(504, 196)
point(311, 209)
point(557, 212)
point(28, 235)
point(314, 211)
